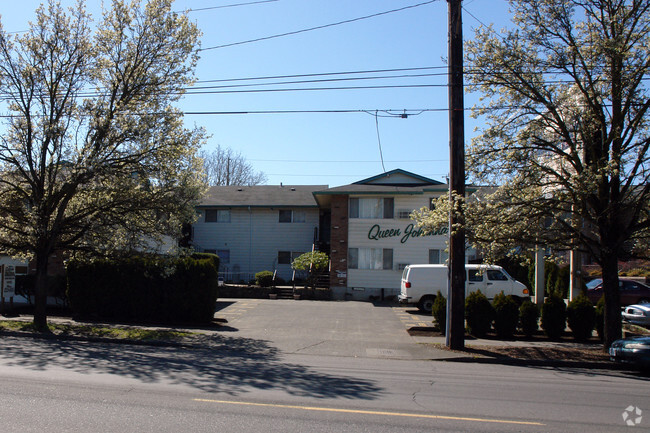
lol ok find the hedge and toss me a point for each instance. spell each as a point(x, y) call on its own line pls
point(144, 289)
point(506, 315)
point(581, 317)
point(554, 316)
point(479, 314)
point(439, 311)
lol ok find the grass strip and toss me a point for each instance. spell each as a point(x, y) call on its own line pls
point(114, 332)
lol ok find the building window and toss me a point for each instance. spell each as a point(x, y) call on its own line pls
point(284, 257)
point(224, 256)
point(299, 216)
point(437, 257)
point(432, 204)
point(217, 216)
point(285, 216)
point(287, 257)
point(372, 207)
point(291, 216)
point(404, 214)
point(370, 258)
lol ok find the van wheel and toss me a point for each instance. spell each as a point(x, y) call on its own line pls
point(426, 303)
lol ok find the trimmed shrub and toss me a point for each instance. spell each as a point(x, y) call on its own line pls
point(600, 317)
point(554, 316)
point(155, 289)
point(478, 313)
point(212, 257)
point(528, 317)
point(264, 278)
point(506, 315)
point(581, 316)
point(439, 311)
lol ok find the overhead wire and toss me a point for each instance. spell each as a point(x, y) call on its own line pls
point(381, 154)
point(230, 6)
point(371, 71)
point(295, 32)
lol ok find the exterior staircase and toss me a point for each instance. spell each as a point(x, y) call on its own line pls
point(285, 292)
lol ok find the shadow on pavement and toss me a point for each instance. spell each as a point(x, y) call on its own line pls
point(226, 365)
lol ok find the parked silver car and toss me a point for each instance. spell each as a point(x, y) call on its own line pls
point(638, 314)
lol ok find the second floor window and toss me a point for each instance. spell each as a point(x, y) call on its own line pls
point(373, 207)
point(217, 216)
point(291, 216)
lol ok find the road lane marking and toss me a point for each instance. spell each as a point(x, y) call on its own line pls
point(371, 412)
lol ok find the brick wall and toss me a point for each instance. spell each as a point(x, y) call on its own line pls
point(339, 241)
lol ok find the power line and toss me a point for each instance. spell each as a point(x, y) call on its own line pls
point(317, 27)
point(381, 154)
point(303, 89)
point(372, 71)
point(230, 6)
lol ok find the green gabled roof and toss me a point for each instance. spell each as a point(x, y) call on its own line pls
point(398, 177)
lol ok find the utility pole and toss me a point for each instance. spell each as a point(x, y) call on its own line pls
point(455, 337)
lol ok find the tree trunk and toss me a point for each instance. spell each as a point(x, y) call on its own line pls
point(612, 326)
point(40, 288)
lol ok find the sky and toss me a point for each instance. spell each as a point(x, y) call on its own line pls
point(320, 135)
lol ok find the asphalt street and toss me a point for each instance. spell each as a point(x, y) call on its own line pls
point(301, 366)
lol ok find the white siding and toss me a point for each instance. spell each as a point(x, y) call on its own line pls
point(254, 238)
point(392, 234)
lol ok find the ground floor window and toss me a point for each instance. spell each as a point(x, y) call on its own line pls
point(224, 256)
point(370, 258)
point(287, 257)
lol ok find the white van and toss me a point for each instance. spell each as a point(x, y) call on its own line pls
point(420, 283)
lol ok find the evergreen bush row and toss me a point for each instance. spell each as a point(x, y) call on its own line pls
point(162, 290)
point(505, 315)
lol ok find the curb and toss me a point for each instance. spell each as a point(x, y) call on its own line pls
point(539, 363)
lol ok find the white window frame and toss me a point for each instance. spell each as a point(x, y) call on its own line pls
point(372, 207)
point(295, 216)
point(219, 216)
point(370, 258)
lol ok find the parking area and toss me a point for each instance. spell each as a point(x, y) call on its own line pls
point(332, 328)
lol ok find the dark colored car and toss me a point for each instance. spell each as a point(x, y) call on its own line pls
point(632, 350)
point(630, 291)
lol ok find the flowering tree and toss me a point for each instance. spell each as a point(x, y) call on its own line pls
point(93, 154)
point(566, 141)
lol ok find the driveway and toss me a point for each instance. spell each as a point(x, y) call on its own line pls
point(328, 328)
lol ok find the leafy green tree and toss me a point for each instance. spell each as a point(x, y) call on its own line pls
point(94, 156)
point(566, 138)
